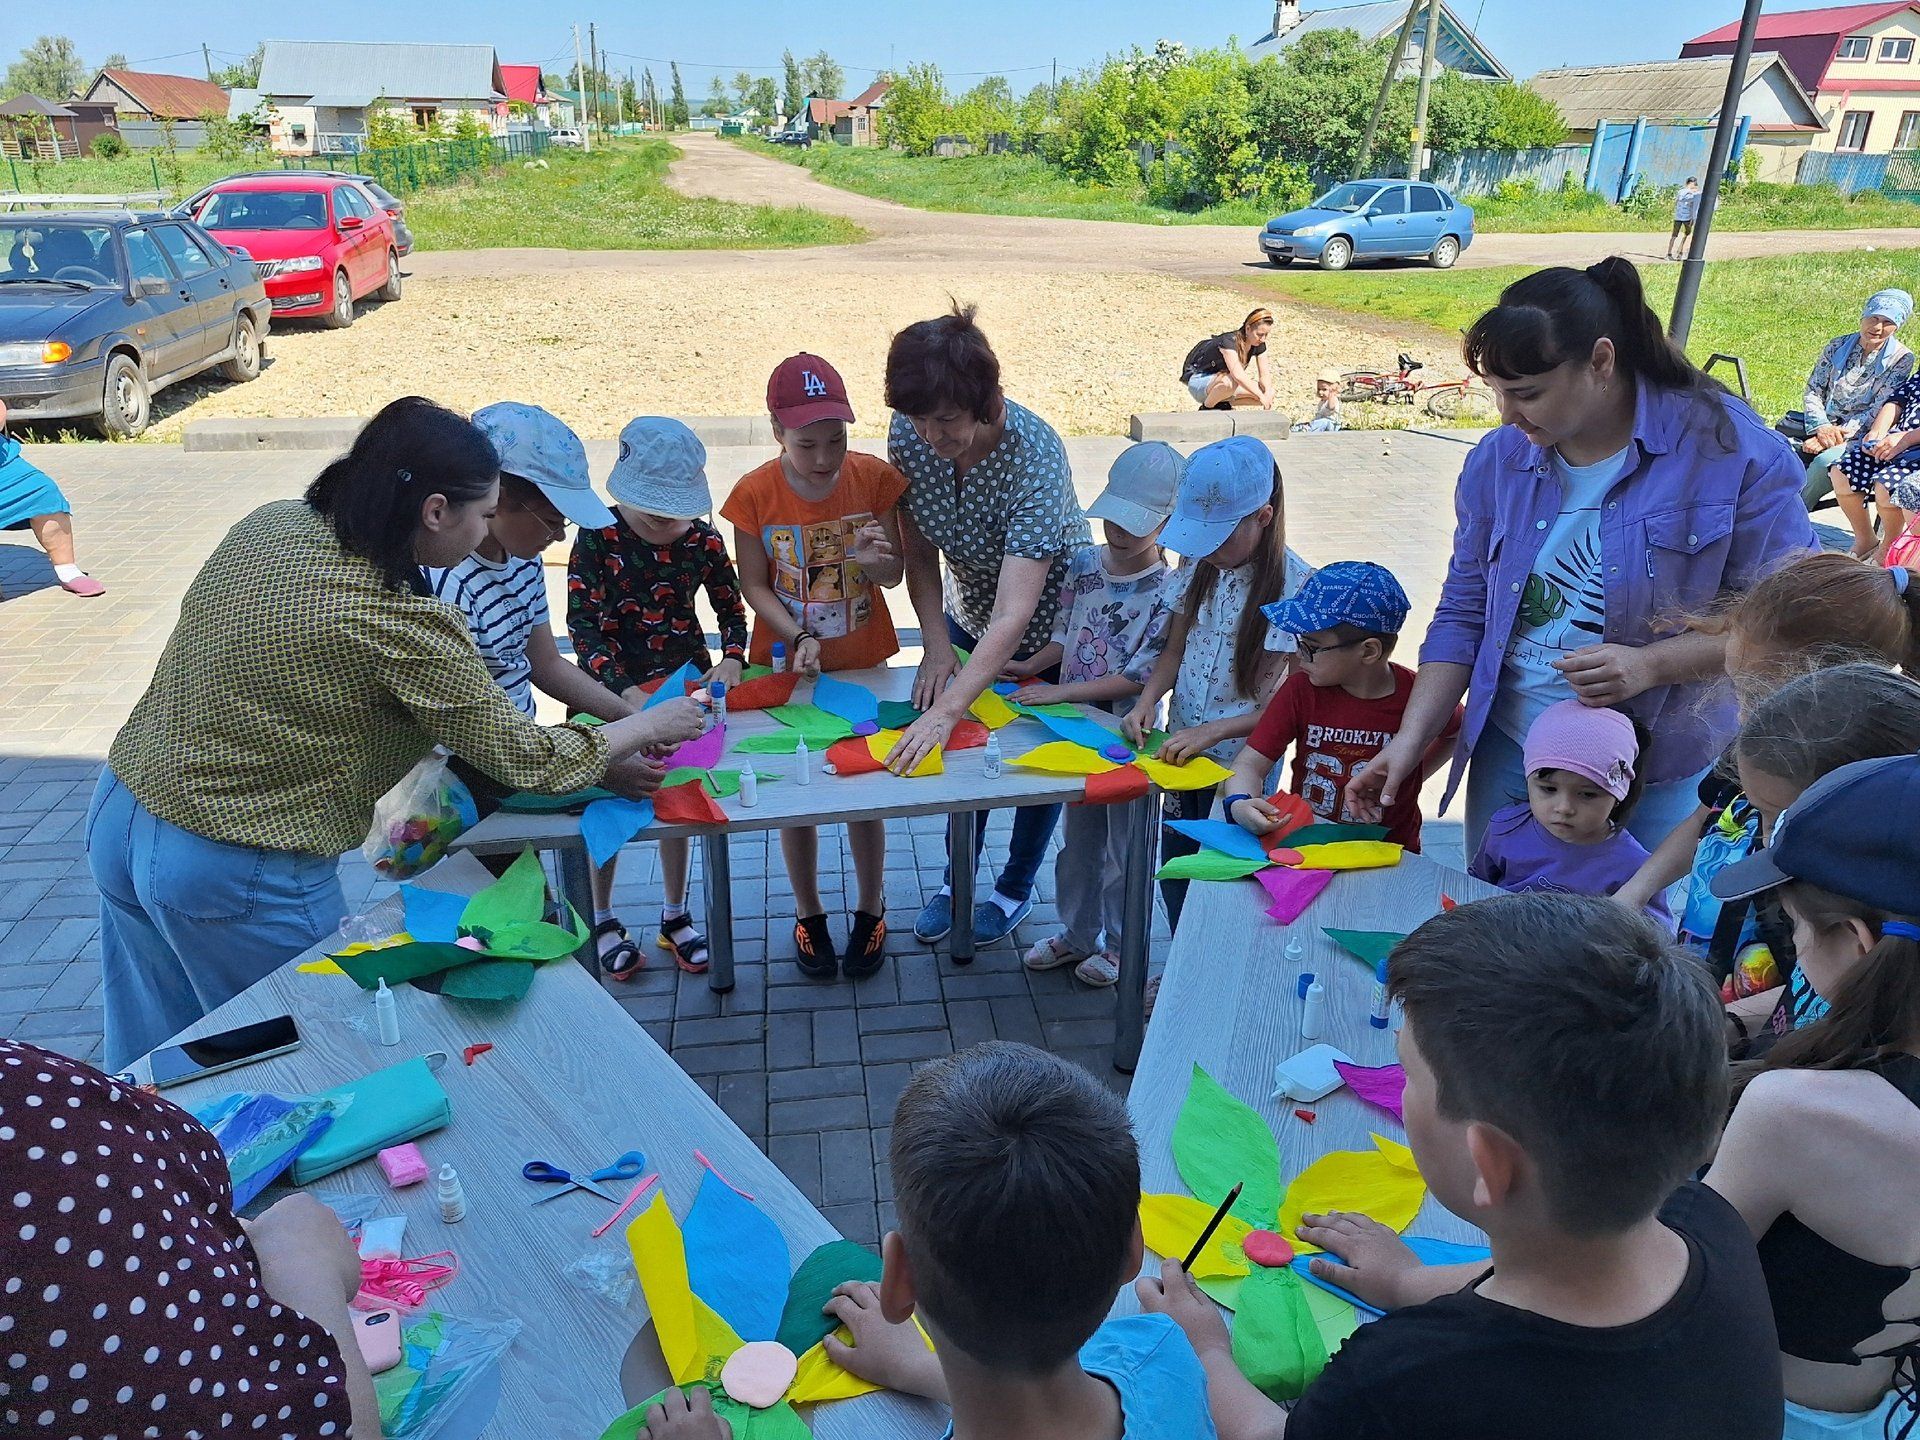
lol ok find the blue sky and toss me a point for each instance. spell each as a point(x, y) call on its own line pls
point(1018, 38)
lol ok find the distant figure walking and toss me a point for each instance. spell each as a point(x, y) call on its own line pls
point(1686, 205)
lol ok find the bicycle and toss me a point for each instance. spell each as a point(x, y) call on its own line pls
point(1446, 399)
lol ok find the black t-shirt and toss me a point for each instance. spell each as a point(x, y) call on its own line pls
point(1465, 1368)
point(1206, 359)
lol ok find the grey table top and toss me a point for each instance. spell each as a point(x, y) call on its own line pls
point(571, 1080)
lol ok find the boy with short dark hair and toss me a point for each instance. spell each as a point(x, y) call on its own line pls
point(1340, 707)
point(1566, 1071)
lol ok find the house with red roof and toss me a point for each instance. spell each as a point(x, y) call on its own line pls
point(141, 95)
point(521, 83)
point(848, 122)
point(1860, 63)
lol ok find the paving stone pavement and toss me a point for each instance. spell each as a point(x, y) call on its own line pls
point(810, 1071)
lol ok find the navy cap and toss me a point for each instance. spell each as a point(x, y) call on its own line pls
point(1851, 833)
point(1348, 592)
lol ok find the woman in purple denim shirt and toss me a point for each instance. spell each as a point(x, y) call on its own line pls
point(1625, 490)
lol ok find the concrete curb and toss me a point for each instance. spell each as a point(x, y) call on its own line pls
point(1201, 427)
point(337, 433)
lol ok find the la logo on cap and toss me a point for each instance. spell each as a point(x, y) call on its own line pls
point(812, 384)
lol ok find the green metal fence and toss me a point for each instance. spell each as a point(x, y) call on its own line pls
point(402, 168)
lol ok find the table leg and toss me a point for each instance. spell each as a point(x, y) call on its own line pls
point(1136, 931)
point(576, 888)
point(719, 863)
point(960, 863)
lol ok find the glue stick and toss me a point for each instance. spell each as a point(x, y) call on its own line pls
point(1313, 1019)
point(386, 1017)
point(779, 657)
point(453, 1199)
point(803, 763)
point(1378, 1018)
point(718, 692)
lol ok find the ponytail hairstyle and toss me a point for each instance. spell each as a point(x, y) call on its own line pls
point(372, 495)
point(1269, 579)
point(1243, 342)
point(1554, 316)
point(1877, 1008)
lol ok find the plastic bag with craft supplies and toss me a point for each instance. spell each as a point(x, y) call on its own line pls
point(415, 821)
point(444, 1361)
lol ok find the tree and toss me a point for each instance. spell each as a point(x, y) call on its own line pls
point(916, 109)
point(764, 99)
point(49, 68)
point(243, 74)
point(821, 74)
point(116, 61)
point(793, 94)
point(677, 116)
point(716, 103)
point(553, 83)
point(650, 97)
point(742, 88)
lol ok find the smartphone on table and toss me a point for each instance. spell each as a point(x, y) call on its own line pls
point(210, 1054)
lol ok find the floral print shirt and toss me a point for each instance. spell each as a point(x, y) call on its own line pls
point(1111, 624)
point(1848, 386)
point(630, 603)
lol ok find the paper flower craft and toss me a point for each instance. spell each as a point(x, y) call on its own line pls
point(733, 1316)
point(1294, 862)
point(1115, 770)
point(1283, 1330)
point(483, 948)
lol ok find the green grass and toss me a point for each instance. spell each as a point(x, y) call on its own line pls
point(988, 185)
point(178, 175)
point(613, 199)
point(1775, 314)
point(1745, 207)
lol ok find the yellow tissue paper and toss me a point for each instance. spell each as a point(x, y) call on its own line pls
point(359, 947)
point(1383, 1184)
point(1063, 757)
point(991, 711)
point(321, 967)
point(820, 1379)
point(880, 745)
point(694, 1340)
point(1197, 774)
point(1348, 855)
point(1171, 1223)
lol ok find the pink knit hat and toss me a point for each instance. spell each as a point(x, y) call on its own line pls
point(1597, 744)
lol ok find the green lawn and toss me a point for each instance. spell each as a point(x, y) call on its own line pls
point(1745, 207)
point(1773, 313)
point(614, 199)
point(178, 175)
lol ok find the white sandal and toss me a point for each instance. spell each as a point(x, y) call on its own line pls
point(1052, 953)
point(1099, 971)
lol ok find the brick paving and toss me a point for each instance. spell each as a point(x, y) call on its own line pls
point(810, 1071)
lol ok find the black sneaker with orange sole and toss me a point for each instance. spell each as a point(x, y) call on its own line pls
point(866, 946)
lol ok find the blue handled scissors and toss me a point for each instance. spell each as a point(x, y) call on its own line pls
point(626, 1167)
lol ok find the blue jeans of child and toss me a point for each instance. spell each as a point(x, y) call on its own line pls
point(1032, 824)
point(187, 923)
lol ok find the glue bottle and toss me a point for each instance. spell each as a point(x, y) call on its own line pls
point(803, 763)
point(386, 1017)
point(749, 788)
point(779, 657)
point(1313, 1019)
point(1379, 1016)
point(718, 693)
point(453, 1199)
point(990, 757)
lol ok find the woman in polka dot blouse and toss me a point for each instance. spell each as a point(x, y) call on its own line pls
point(133, 1302)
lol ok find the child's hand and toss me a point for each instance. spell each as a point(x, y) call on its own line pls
point(1377, 1261)
point(1184, 745)
point(1035, 694)
point(1174, 1295)
point(1017, 670)
point(1255, 816)
point(870, 547)
point(684, 1415)
point(806, 657)
point(895, 1356)
point(1138, 722)
point(727, 673)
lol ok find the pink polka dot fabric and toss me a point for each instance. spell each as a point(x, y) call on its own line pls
point(130, 1299)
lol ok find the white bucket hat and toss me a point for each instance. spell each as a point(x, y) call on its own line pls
point(539, 448)
point(662, 469)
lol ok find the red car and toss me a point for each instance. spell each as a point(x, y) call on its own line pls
point(318, 242)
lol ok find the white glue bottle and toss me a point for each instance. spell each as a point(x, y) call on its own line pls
point(453, 1199)
point(803, 764)
point(749, 788)
point(1313, 1019)
point(386, 1017)
point(990, 757)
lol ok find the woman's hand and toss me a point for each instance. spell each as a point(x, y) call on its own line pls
point(1880, 447)
point(1183, 745)
point(635, 776)
point(1376, 1264)
point(894, 1356)
point(1174, 1295)
point(1036, 693)
point(938, 666)
point(1384, 778)
point(674, 722)
point(1255, 816)
point(1825, 438)
point(919, 740)
point(1607, 674)
point(806, 657)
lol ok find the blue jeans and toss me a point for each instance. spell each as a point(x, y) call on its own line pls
point(187, 923)
point(1497, 778)
point(1032, 824)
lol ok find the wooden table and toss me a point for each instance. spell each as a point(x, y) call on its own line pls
point(573, 1081)
point(1229, 1002)
point(960, 792)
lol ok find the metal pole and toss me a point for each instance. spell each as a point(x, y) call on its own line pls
point(1141, 821)
point(1692, 269)
point(1417, 158)
point(593, 54)
point(1386, 89)
point(580, 93)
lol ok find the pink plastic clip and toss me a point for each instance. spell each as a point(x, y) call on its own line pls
point(721, 1178)
point(644, 1184)
point(404, 1164)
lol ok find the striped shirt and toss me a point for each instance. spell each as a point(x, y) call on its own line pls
point(503, 602)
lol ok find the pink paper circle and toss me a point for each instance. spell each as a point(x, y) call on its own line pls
point(759, 1372)
point(469, 942)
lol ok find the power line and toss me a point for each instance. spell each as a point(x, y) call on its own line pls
point(851, 69)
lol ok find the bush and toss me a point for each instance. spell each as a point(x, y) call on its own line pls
point(108, 146)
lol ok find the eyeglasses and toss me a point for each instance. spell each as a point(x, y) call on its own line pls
point(552, 519)
point(1309, 651)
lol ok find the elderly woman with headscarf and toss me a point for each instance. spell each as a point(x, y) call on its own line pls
point(1852, 380)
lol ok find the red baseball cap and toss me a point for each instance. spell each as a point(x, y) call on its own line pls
point(805, 388)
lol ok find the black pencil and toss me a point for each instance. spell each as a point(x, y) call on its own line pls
point(1212, 1225)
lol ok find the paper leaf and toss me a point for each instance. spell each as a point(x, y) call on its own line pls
point(1346, 854)
point(1220, 1142)
point(1333, 1317)
point(1430, 1251)
point(1379, 1085)
point(489, 980)
point(1076, 729)
point(687, 804)
point(674, 687)
point(896, 714)
point(432, 914)
point(1116, 786)
point(1058, 757)
point(737, 1260)
point(1171, 1223)
point(703, 752)
point(762, 691)
point(965, 735)
point(782, 742)
point(1276, 1342)
point(990, 710)
point(606, 825)
point(1208, 865)
point(1222, 836)
point(1199, 773)
point(723, 784)
point(398, 964)
point(536, 940)
point(1326, 834)
point(520, 894)
point(853, 756)
point(1369, 947)
point(852, 703)
point(574, 801)
point(820, 1379)
point(1292, 890)
point(1383, 1184)
point(880, 745)
point(819, 728)
point(1295, 814)
point(801, 1322)
point(693, 1339)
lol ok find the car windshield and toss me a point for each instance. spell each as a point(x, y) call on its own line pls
point(265, 210)
point(1346, 197)
point(50, 251)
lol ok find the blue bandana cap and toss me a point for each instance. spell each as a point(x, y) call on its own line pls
point(1890, 304)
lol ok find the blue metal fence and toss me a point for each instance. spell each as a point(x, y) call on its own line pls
point(1624, 155)
point(1848, 174)
point(1481, 172)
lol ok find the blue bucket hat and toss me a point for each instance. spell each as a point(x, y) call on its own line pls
point(1224, 483)
point(1348, 592)
point(538, 447)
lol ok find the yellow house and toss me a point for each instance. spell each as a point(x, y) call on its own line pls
point(1861, 64)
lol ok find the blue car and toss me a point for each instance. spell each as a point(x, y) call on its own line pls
point(1372, 220)
point(99, 309)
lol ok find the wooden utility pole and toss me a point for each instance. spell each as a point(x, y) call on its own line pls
point(207, 56)
point(593, 58)
point(1361, 165)
point(1417, 159)
point(580, 92)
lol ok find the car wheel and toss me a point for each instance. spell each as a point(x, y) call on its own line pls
point(1338, 254)
point(1445, 253)
point(341, 315)
point(125, 404)
point(245, 364)
point(390, 290)
point(1279, 262)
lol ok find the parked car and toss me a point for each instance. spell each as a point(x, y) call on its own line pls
point(568, 138)
point(318, 241)
point(1372, 220)
point(382, 197)
point(100, 309)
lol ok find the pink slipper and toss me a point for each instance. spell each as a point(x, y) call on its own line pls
point(83, 585)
